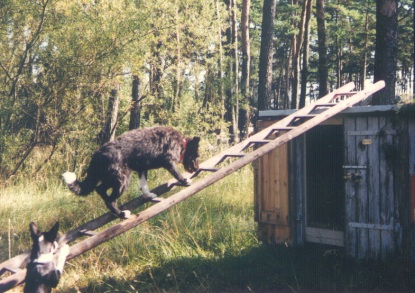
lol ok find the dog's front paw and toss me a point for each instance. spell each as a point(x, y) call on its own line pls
point(149, 195)
point(186, 182)
point(126, 214)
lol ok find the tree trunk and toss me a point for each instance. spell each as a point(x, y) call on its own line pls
point(135, 104)
point(304, 72)
point(338, 48)
point(364, 55)
point(221, 74)
point(298, 44)
point(287, 94)
point(323, 74)
point(178, 81)
point(265, 57)
point(108, 132)
point(245, 71)
point(386, 50)
point(156, 72)
point(235, 70)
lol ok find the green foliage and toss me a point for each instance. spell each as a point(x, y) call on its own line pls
point(59, 61)
point(62, 59)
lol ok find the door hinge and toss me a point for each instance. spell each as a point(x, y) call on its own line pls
point(371, 226)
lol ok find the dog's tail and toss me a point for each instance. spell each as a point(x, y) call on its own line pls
point(80, 188)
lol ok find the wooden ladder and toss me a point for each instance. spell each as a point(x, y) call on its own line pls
point(243, 153)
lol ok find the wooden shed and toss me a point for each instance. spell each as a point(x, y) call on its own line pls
point(346, 182)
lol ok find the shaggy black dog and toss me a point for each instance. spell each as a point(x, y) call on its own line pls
point(137, 150)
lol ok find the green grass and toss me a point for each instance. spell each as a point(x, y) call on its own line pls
point(207, 243)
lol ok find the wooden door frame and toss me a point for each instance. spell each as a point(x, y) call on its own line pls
point(313, 234)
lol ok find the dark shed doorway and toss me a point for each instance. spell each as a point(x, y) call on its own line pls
point(325, 200)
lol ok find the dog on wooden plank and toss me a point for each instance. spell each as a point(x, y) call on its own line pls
point(44, 269)
point(137, 150)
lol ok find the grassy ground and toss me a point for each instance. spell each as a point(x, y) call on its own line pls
point(206, 244)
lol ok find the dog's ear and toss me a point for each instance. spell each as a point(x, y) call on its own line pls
point(51, 235)
point(34, 231)
point(193, 144)
point(196, 140)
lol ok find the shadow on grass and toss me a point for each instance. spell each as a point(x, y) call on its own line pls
point(270, 269)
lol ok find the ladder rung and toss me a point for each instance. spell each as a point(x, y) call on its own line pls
point(263, 141)
point(324, 105)
point(345, 94)
point(209, 169)
point(237, 155)
point(255, 142)
point(88, 232)
point(279, 129)
point(11, 270)
point(287, 128)
point(305, 116)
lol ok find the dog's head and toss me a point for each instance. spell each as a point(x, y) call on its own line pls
point(41, 269)
point(191, 154)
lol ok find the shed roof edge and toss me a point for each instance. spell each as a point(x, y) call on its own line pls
point(351, 110)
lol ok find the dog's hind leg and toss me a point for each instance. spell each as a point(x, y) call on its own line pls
point(144, 186)
point(110, 201)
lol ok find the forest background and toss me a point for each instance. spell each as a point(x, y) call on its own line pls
point(74, 74)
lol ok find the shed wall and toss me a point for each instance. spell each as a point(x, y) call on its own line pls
point(272, 208)
point(379, 156)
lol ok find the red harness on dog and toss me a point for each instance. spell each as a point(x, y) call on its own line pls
point(184, 149)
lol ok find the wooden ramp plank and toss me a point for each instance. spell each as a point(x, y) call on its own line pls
point(152, 211)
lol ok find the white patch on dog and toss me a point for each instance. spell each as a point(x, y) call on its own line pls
point(44, 258)
point(69, 177)
point(127, 214)
point(144, 188)
point(63, 253)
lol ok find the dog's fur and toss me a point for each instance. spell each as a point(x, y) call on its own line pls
point(137, 150)
point(43, 269)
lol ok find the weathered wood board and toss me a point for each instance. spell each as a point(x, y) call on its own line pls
point(370, 200)
point(271, 194)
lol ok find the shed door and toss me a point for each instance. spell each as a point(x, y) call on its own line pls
point(324, 184)
point(370, 218)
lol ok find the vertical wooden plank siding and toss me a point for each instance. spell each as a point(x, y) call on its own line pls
point(350, 191)
point(297, 182)
point(271, 194)
point(386, 181)
point(373, 250)
point(362, 189)
point(370, 202)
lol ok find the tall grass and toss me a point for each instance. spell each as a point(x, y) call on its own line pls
point(214, 223)
point(207, 243)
